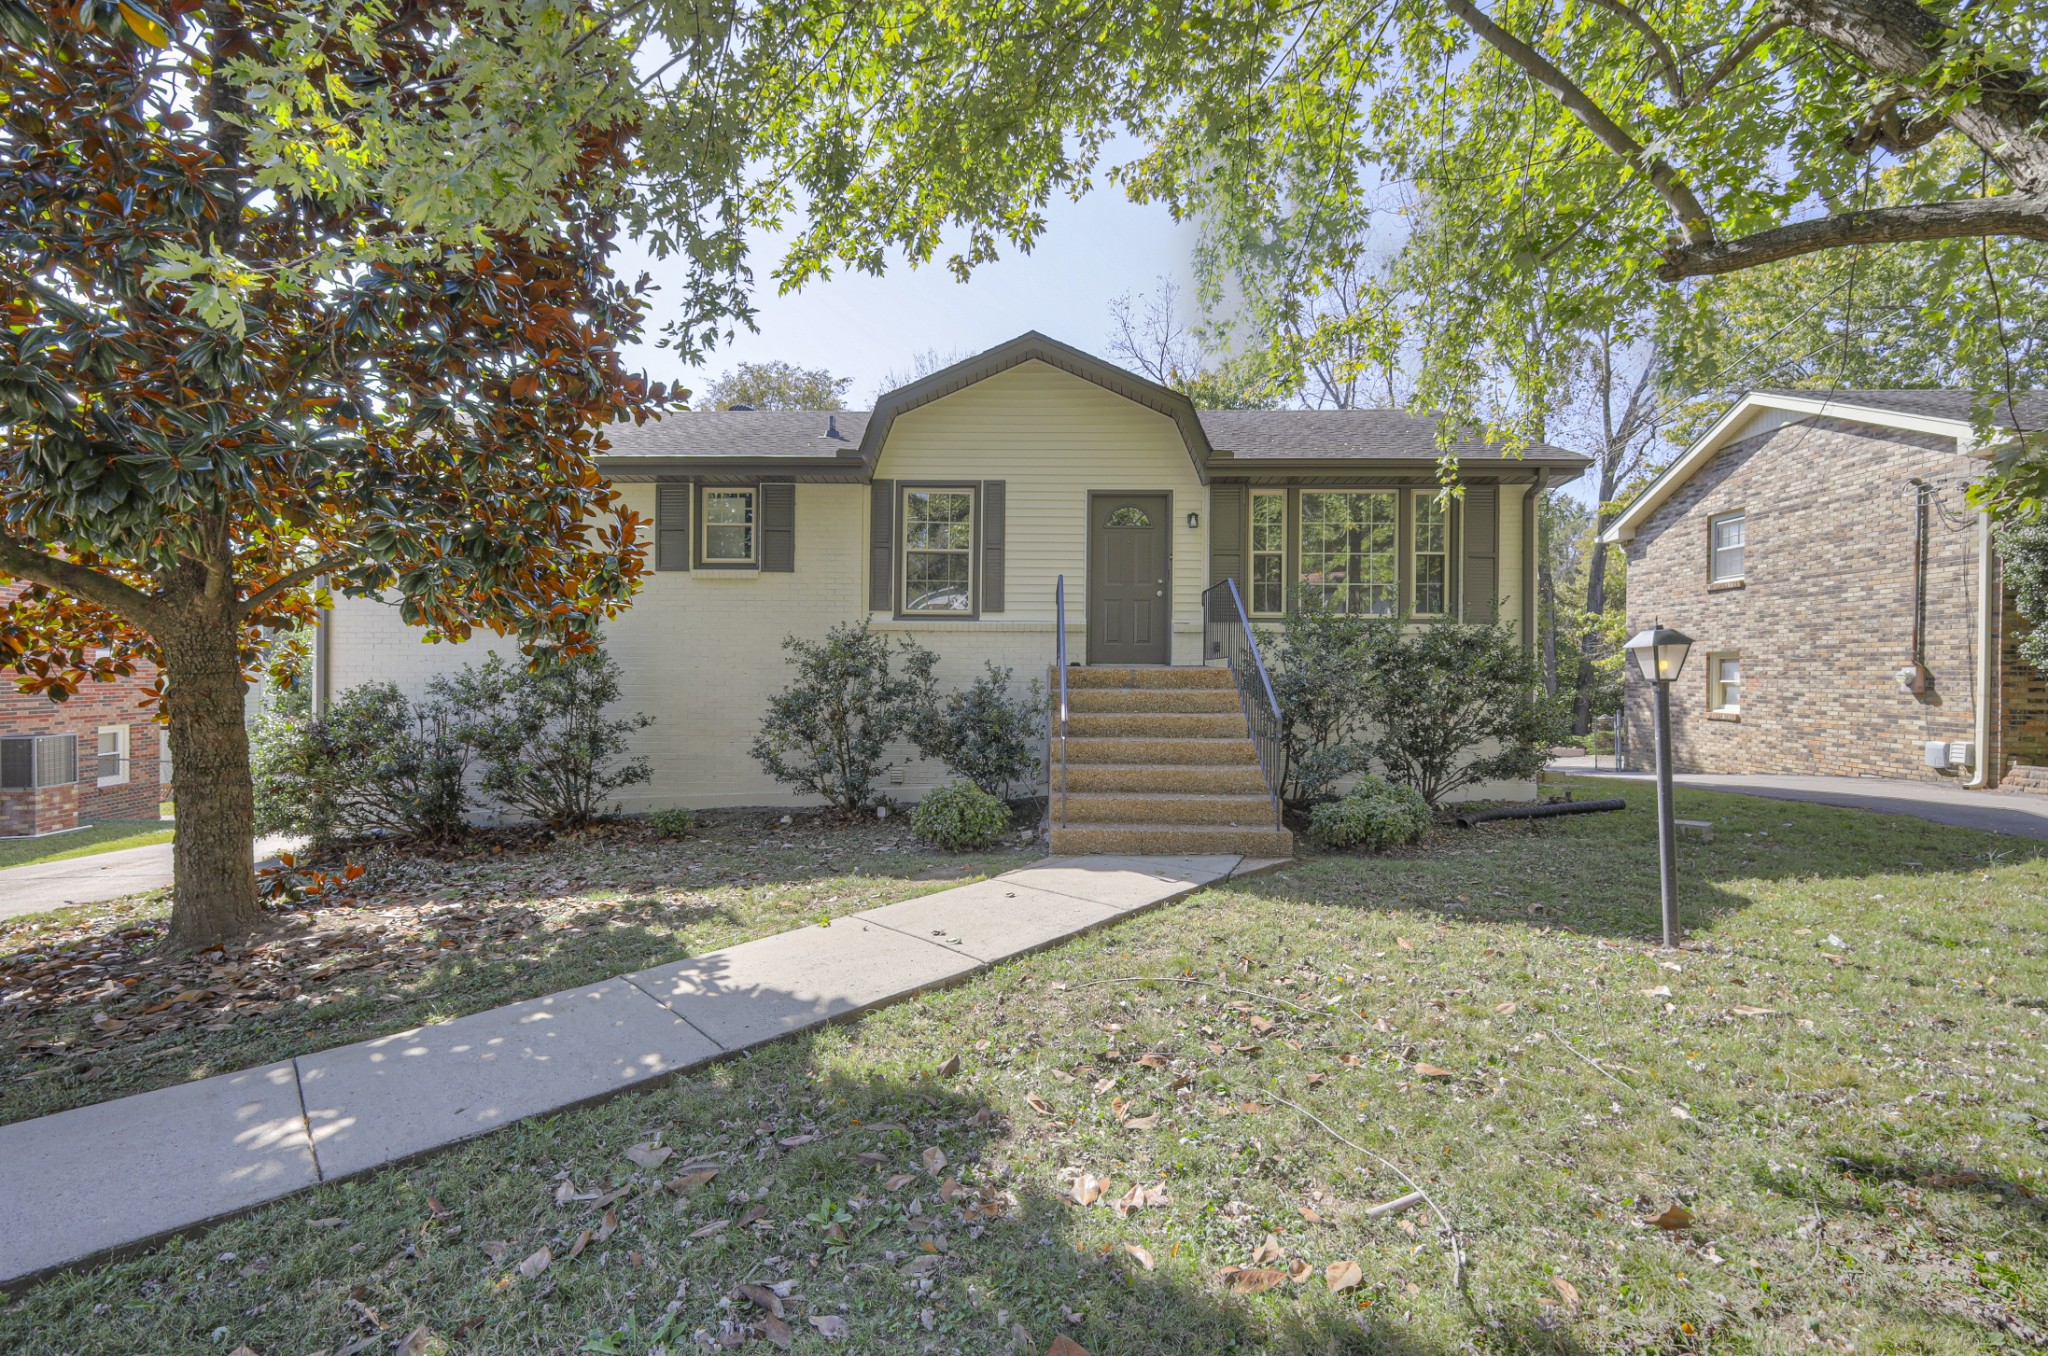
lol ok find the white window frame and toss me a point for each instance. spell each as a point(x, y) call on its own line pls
point(972, 550)
point(1714, 547)
point(1717, 686)
point(753, 524)
point(1253, 552)
point(120, 737)
point(1393, 551)
point(1421, 499)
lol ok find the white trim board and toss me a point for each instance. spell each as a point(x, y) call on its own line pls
point(1758, 413)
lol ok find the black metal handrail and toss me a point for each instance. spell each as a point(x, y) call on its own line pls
point(1227, 635)
point(1059, 626)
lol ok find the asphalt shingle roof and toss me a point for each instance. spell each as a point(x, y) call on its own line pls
point(740, 433)
point(1246, 434)
point(1241, 434)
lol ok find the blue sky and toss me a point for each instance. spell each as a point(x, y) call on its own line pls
point(864, 327)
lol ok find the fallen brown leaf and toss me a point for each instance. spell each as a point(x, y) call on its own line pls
point(777, 1332)
point(1673, 1217)
point(1298, 1272)
point(1038, 1104)
point(1566, 1290)
point(1342, 1276)
point(1250, 1280)
point(934, 1160)
point(1142, 1255)
point(1141, 1122)
point(717, 1226)
point(763, 1298)
point(829, 1325)
point(1064, 1345)
point(896, 1181)
point(690, 1181)
point(536, 1263)
point(1089, 1189)
point(947, 1069)
point(1153, 1061)
point(649, 1155)
point(1268, 1251)
point(1432, 1071)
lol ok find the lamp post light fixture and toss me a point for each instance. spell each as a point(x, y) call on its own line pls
point(1659, 655)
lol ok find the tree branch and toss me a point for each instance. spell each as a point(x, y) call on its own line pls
point(1674, 78)
point(1693, 221)
point(1901, 42)
point(269, 593)
point(80, 581)
point(2009, 214)
point(1741, 52)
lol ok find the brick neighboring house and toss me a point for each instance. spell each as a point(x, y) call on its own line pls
point(121, 765)
point(1843, 599)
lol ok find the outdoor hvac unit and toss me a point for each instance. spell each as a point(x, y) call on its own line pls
point(30, 761)
point(1944, 753)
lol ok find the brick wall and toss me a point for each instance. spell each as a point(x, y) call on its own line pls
point(120, 705)
point(1823, 617)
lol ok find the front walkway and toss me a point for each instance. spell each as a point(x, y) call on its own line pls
point(100, 1180)
point(2021, 814)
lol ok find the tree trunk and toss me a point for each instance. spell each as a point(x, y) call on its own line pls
point(215, 893)
point(1596, 598)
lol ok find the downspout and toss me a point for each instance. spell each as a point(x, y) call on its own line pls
point(1987, 668)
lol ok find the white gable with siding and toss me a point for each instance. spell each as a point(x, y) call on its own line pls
point(768, 525)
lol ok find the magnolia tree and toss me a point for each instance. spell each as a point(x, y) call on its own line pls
point(224, 397)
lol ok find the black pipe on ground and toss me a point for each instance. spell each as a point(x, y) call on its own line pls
point(1572, 807)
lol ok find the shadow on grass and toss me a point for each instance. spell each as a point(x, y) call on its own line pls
point(1598, 873)
point(862, 1195)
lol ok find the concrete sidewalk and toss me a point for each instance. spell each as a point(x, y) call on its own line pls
point(102, 875)
point(2021, 814)
point(112, 1178)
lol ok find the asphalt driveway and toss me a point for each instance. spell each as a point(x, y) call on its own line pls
point(104, 875)
point(2019, 813)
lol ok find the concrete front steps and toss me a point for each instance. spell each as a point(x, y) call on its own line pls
point(1158, 760)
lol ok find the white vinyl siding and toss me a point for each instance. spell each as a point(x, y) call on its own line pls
point(1052, 438)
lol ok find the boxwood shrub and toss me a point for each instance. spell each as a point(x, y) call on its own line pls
point(1376, 815)
point(960, 817)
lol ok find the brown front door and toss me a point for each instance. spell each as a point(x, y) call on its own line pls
point(1129, 596)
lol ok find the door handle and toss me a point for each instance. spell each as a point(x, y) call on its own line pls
point(1160, 594)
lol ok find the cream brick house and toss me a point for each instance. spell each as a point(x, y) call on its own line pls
point(949, 512)
point(1842, 594)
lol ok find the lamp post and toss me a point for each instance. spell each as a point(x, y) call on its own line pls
point(1660, 655)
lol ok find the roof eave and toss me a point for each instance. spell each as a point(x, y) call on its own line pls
point(1028, 347)
point(1624, 528)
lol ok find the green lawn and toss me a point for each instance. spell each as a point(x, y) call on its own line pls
point(1837, 1083)
point(89, 1011)
point(85, 842)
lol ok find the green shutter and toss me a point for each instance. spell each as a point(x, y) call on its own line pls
point(994, 544)
point(1482, 553)
point(778, 527)
point(672, 525)
point(882, 547)
point(1227, 535)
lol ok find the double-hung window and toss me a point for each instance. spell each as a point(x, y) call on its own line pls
point(1432, 555)
point(1725, 535)
point(938, 550)
point(1724, 684)
point(1269, 553)
point(1348, 551)
point(113, 755)
point(729, 537)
